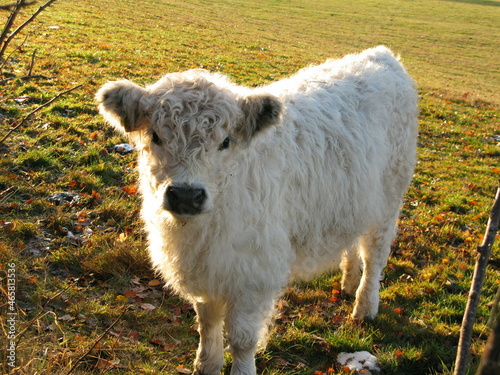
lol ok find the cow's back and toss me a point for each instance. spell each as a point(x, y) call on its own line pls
point(348, 138)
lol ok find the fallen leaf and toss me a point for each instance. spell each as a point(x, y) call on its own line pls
point(96, 196)
point(147, 306)
point(32, 280)
point(398, 353)
point(182, 370)
point(154, 282)
point(8, 226)
point(121, 298)
point(157, 342)
point(122, 237)
point(477, 217)
point(170, 346)
point(130, 294)
point(66, 318)
point(130, 189)
point(105, 364)
point(134, 335)
point(135, 280)
point(338, 319)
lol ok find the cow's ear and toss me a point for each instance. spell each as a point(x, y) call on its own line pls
point(260, 111)
point(122, 105)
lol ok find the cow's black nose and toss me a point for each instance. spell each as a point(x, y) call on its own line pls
point(184, 200)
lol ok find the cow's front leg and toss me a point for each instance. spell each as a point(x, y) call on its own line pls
point(247, 322)
point(210, 356)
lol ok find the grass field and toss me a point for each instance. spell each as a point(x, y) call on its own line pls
point(81, 266)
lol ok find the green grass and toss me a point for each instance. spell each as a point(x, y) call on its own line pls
point(93, 252)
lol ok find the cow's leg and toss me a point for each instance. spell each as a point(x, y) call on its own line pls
point(351, 267)
point(246, 324)
point(210, 356)
point(375, 249)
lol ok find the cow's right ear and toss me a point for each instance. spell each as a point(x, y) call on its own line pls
point(121, 104)
point(260, 112)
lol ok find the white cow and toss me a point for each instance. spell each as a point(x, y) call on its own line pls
point(246, 189)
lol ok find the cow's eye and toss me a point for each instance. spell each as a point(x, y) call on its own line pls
point(154, 137)
point(225, 144)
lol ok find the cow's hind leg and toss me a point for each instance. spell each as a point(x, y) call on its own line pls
point(210, 356)
point(352, 269)
point(375, 247)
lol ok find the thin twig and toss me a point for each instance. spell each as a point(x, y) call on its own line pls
point(7, 193)
point(96, 341)
point(23, 121)
point(20, 334)
point(484, 251)
point(4, 62)
point(30, 70)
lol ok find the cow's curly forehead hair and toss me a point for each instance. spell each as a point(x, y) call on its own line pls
point(187, 113)
point(189, 109)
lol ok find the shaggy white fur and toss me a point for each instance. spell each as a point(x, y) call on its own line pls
point(246, 189)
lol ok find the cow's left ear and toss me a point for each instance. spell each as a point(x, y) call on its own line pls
point(260, 111)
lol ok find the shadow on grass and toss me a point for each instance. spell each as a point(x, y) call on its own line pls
point(478, 2)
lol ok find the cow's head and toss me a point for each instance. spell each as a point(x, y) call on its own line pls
point(189, 128)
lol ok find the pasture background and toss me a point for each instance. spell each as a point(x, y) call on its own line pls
point(451, 49)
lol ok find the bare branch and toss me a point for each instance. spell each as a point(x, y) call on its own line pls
point(8, 25)
point(484, 251)
point(23, 121)
point(7, 41)
point(12, 6)
point(490, 360)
